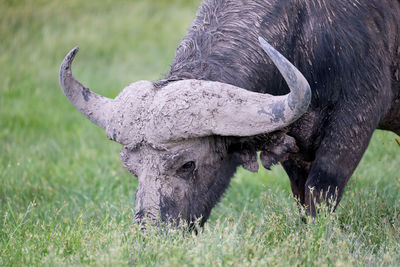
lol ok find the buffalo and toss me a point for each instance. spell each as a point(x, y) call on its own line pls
point(230, 96)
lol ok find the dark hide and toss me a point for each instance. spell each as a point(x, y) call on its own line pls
point(349, 51)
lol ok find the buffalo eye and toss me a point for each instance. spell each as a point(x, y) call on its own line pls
point(188, 167)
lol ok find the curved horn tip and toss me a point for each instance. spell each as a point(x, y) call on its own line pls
point(69, 58)
point(266, 46)
point(73, 52)
point(262, 41)
point(299, 87)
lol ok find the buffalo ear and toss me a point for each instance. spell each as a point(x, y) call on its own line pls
point(245, 153)
point(277, 151)
point(274, 148)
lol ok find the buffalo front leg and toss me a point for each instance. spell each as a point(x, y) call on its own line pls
point(345, 139)
point(298, 171)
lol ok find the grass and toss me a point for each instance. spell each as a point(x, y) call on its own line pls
point(65, 198)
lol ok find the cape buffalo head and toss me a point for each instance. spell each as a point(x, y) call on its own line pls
point(184, 140)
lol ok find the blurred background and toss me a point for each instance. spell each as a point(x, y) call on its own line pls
point(62, 184)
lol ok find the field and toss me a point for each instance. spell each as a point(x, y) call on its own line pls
point(65, 198)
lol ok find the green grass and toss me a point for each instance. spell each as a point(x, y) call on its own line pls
point(65, 198)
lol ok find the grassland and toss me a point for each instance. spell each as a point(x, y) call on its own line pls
point(65, 198)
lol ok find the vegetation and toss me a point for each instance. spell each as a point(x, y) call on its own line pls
point(65, 198)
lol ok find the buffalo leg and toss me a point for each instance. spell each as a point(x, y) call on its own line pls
point(345, 140)
point(297, 171)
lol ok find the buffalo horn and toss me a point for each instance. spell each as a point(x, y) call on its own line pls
point(259, 113)
point(93, 106)
point(223, 109)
